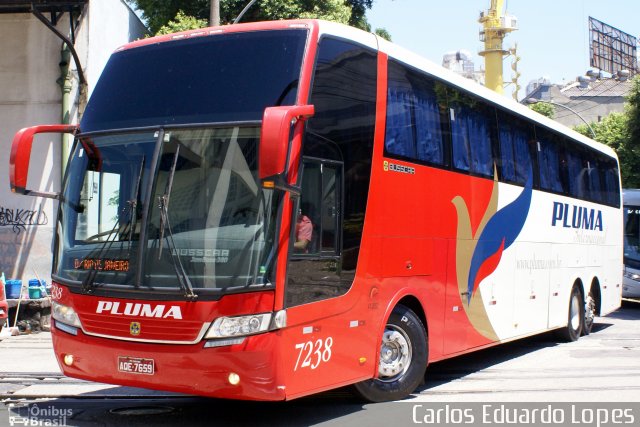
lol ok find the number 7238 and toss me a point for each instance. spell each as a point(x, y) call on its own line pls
point(312, 353)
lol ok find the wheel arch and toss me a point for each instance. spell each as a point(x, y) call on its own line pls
point(412, 302)
point(594, 288)
point(578, 283)
point(409, 300)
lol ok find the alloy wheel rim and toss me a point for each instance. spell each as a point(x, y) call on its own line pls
point(395, 354)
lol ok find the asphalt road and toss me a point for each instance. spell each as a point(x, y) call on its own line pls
point(601, 367)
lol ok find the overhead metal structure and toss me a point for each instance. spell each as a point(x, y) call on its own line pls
point(495, 26)
point(612, 50)
point(49, 13)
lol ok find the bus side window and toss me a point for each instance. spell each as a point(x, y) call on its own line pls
point(307, 219)
point(317, 219)
point(549, 161)
point(515, 155)
point(612, 184)
point(417, 126)
point(577, 168)
point(472, 130)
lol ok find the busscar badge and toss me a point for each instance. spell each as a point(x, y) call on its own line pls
point(134, 328)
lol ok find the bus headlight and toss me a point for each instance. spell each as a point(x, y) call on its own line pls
point(64, 314)
point(239, 326)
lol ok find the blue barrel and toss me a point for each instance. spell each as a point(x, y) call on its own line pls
point(12, 289)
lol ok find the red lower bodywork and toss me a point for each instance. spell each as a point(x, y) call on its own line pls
point(190, 369)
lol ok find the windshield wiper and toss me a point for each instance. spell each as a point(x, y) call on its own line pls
point(163, 204)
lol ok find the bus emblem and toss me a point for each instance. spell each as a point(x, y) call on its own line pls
point(134, 328)
point(393, 167)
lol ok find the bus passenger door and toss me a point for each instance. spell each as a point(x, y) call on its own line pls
point(317, 346)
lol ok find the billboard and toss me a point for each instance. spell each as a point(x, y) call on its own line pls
point(611, 49)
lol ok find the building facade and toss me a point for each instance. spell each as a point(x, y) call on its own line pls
point(40, 84)
point(590, 97)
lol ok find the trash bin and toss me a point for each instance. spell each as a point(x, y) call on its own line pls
point(12, 288)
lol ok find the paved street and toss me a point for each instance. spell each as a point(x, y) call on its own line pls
point(602, 367)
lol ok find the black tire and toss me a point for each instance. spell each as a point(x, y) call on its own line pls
point(575, 318)
point(403, 359)
point(589, 314)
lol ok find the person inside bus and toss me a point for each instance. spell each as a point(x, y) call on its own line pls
point(304, 233)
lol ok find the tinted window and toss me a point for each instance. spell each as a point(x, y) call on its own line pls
point(577, 166)
point(612, 183)
point(593, 176)
point(197, 80)
point(472, 130)
point(516, 141)
point(416, 116)
point(550, 162)
point(341, 131)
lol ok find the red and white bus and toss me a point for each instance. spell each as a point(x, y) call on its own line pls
point(269, 210)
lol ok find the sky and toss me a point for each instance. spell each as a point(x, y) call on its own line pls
point(552, 35)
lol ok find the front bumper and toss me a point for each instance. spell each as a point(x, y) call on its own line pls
point(183, 368)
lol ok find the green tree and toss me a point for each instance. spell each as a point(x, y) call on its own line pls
point(182, 22)
point(544, 108)
point(358, 12)
point(633, 116)
point(158, 13)
point(613, 130)
point(621, 131)
point(382, 32)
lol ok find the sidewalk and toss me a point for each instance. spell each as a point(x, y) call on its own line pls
point(29, 370)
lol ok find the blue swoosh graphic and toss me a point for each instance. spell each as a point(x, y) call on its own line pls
point(504, 225)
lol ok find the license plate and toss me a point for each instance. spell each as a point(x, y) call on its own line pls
point(136, 365)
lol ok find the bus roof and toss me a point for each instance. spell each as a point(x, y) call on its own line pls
point(394, 51)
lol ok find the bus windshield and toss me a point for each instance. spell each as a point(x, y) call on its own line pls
point(161, 191)
point(632, 235)
point(200, 212)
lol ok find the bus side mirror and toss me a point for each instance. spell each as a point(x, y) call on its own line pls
point(277, 123)
point(21, 153)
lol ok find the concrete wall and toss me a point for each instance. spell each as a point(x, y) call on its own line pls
point(591, 109)
point(30, 94)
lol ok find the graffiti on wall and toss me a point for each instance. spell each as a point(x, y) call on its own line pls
point(20, 219)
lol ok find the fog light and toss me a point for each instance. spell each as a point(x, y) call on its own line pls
point(68, 359)
point(234, 379)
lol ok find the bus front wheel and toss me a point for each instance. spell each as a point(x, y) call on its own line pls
point(403, 359)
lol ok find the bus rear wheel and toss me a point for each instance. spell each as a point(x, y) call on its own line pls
point(575, 320)
point(589, 314)
point(403, 359)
